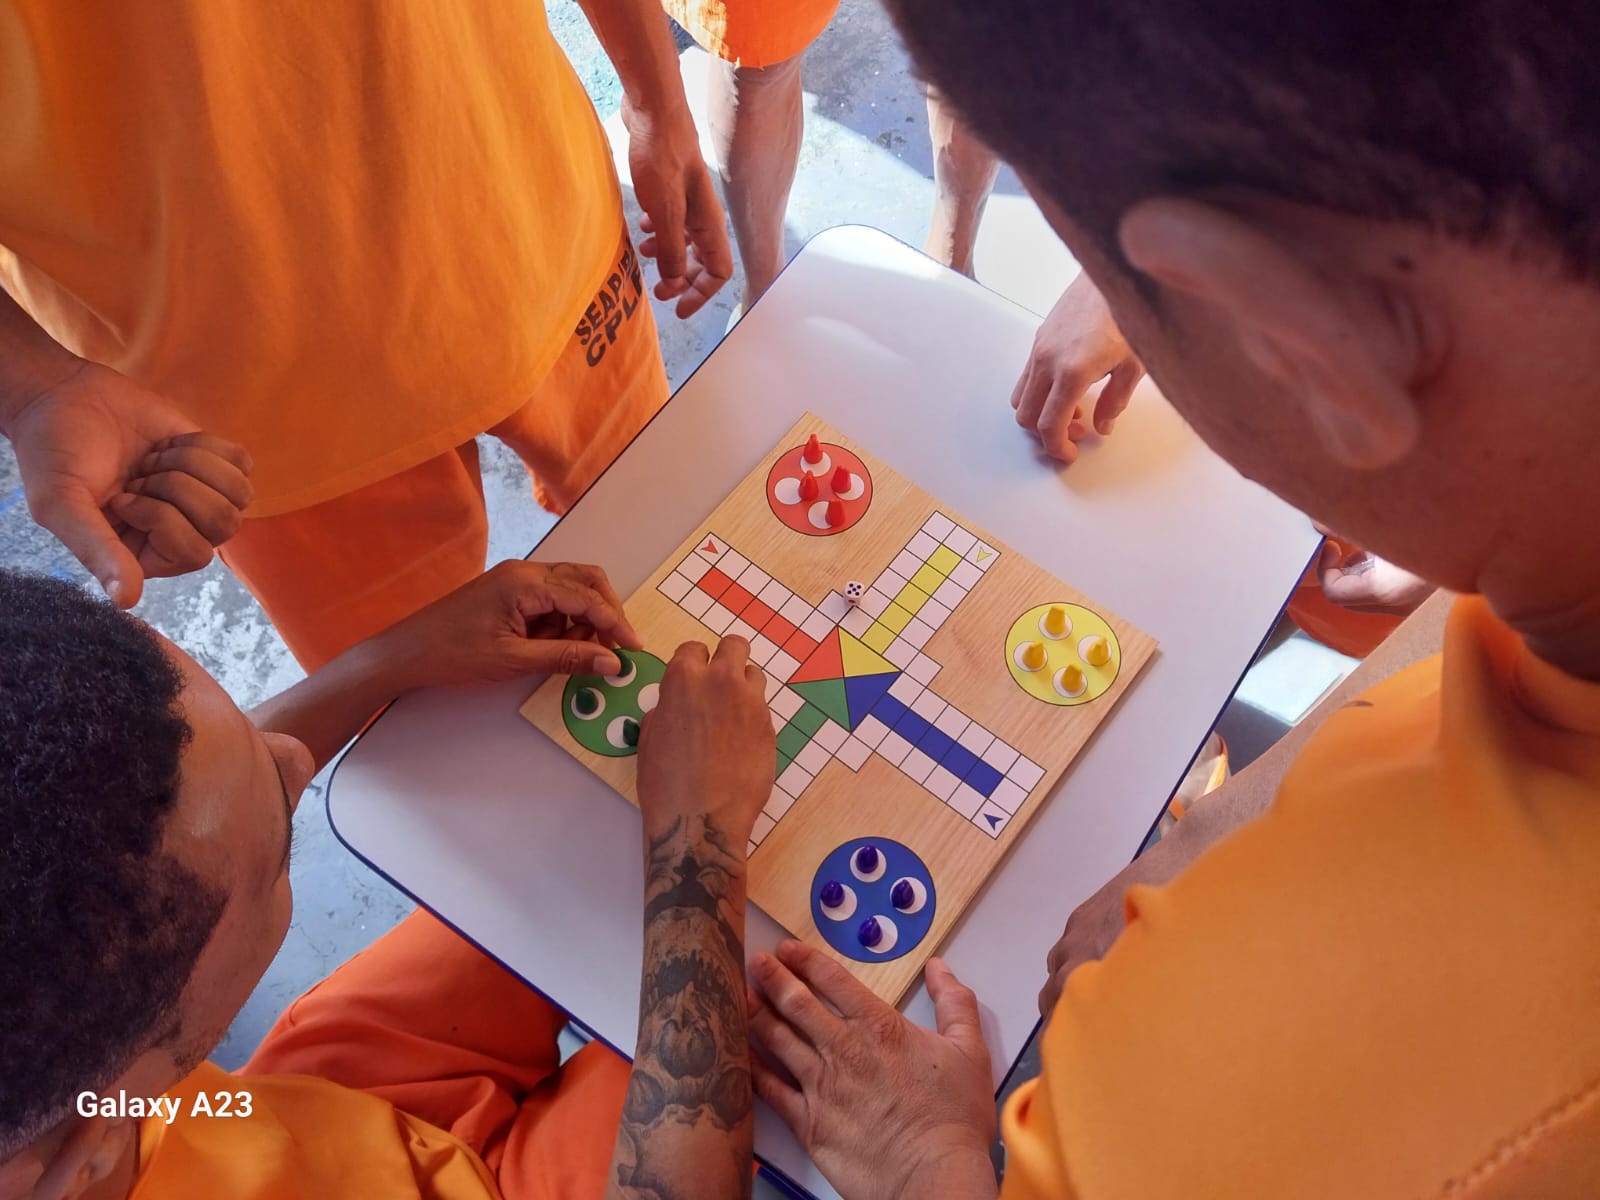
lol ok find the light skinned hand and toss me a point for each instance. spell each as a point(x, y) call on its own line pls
point(1097, 923)
point(517, 618)
point(708, 748)
point(78, 1155)
point(685, 229)
point(1076, 346)
point(1360, 580)
point(882, 1105)
point(129, 484)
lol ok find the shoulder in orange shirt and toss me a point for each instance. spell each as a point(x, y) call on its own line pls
point(1384, 988)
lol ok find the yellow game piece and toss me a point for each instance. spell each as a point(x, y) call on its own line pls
point(1070, 681)
point(1096, 651)
point(1031, 656)
point(1056, 623)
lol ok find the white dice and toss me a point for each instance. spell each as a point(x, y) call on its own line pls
point(853, 591)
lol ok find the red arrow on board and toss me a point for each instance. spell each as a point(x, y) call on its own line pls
point(710, 547)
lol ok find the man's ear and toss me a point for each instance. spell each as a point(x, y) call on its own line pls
point(1336, 343)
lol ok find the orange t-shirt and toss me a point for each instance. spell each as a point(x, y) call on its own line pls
point(1387, 987)
point(301, 1137)
point(753, 33)
point(347, 235)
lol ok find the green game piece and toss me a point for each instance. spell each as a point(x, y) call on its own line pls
point(625, 672)
point(809, 719)
point(829, 696)
point(791, 740)
point(618, 704)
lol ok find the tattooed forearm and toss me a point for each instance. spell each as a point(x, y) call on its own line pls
point(686, 1122)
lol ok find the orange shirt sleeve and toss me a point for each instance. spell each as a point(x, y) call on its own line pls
point(298, 1136)
point(1383, 988)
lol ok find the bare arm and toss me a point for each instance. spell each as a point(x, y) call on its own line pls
point(686, 1123)
point(637, 40)
point(685, 230)
point(1097, 922)
point(517, 618)
point(31, 361)
point(329, 707)
point(705, 769)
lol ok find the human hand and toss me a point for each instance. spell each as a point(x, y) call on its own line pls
point(515, 619)
point(708, 749)
point(77, 1156)
point(1077, 345)
point(884, 1107)
point(127, 482)
point(1362, 581)
point(686, 231)
point(1097, 923)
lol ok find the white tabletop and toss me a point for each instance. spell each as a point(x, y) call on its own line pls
point(454, 797)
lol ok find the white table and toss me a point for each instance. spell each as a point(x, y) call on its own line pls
point(463, 805)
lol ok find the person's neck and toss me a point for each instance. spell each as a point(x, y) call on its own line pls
point(1563, 633)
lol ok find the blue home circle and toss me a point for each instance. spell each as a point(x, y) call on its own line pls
point(854, 899)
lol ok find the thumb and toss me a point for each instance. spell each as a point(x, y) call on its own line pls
point(70, 513)
point(562, 656)
point(955, 1008)
point(1353, 583)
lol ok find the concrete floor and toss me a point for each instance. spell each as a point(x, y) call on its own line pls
point(865, 159)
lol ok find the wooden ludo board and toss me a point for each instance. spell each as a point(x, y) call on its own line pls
point(907, 724)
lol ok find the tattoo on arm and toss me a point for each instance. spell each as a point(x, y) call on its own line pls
point(686, 1122)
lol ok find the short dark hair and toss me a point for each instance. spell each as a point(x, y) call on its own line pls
point(99, 927)
point(1479, 119)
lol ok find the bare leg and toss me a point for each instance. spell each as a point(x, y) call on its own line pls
point(757, 119)
point(963, 172)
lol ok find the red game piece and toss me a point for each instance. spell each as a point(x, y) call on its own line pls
point(813, 449)
point(835, 513)
point(841, 481)
point(808, 486)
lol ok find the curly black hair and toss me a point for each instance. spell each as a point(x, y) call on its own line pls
point(99, 927)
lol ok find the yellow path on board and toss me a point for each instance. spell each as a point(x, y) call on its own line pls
point(861, 659)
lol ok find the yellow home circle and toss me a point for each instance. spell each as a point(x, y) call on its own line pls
point(1040, 684)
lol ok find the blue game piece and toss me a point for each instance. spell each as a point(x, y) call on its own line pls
point(867, 859)
point(870, 933)
point(832, 894)
point(903, 895)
